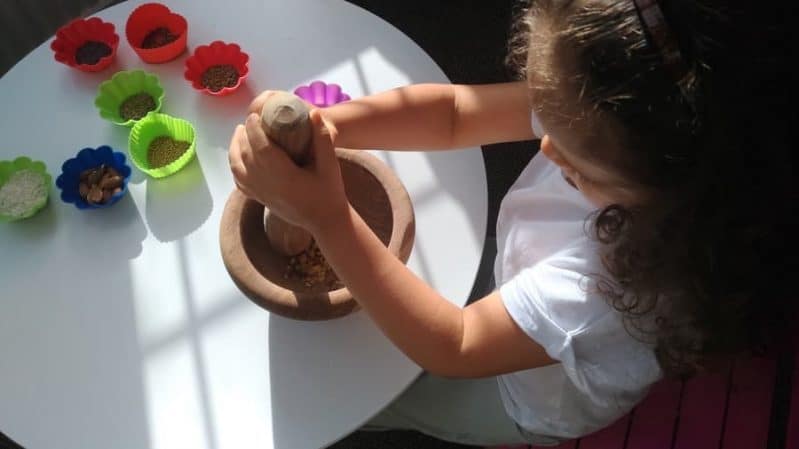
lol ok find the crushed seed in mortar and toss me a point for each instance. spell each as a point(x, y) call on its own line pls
point(218, 76)
point(158, 38)
point(312, 269)
point(164, 150)
point(136, 106)
point(91, 52)
point(23, 190)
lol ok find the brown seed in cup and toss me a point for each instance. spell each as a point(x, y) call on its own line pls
point(136, 106)
point(110, 182)
point(217, 77)
point(95, 195)
point(95, 175)
point(91, 52)
point(158, 38)
point(97, 185)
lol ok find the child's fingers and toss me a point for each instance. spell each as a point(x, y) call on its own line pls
point(255, 133)
point(246, 153)
point(236, 156)
point(258, 103)
point(323, 136)
point(235, 152)
point(268, 152)
point(244, 190)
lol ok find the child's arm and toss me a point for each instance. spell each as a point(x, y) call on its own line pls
point(480, 340)
point(430, 116)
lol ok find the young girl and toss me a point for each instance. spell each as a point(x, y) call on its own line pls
point(644, 238)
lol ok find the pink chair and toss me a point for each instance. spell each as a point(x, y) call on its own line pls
point(730, 409)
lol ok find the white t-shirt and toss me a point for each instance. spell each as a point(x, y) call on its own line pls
point(544, 257)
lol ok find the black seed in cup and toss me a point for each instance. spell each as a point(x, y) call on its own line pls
point(158, 38)
point(164, 150)
point(217, 77)
point(136, 106)
point(91, 52)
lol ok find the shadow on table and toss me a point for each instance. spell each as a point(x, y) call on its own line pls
point(87, 82)
point(39, 226)
point(72, 366)
point(233, 105)
point(309, 361)
point(219, 117)
point(178, 204)
point(120, 228)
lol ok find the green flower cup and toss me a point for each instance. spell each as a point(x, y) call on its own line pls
point(113, 92)
point(157, 125)
point(9, 168)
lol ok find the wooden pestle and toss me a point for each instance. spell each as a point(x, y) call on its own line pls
point(285, 120)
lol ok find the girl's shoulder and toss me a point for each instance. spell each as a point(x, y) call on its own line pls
point(562, 288)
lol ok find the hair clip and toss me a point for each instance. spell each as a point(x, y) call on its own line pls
point(661, 36)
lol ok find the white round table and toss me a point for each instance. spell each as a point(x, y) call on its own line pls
point(120, 328)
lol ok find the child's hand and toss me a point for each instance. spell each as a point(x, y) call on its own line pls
point(307, 196)
point(258, 103)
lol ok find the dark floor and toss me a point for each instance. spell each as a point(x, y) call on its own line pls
point(468, 41)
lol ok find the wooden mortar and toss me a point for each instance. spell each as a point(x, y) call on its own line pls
point(257, 245)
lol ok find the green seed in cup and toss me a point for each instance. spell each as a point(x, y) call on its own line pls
point(136, 106)
point(164, 150)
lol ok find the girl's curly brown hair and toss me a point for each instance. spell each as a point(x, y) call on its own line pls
point(703, 268)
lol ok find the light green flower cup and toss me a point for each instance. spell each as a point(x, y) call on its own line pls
point(113, 92)
point(9, 168)
point(157, 125)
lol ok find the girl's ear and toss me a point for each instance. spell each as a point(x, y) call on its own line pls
point(553, 154)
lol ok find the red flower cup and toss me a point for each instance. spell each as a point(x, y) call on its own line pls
point(218, 53)
point(151, 18)
point(81, 44)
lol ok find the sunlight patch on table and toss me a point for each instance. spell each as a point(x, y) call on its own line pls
point(345, 74)
point(158, 292)
point(238, 396)
point(173, 399)
point(378, 72)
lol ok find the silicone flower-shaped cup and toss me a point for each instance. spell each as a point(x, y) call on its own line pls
point(89, 45)
point(321, 94)
point(153, 126)
point(122, 86)
point(209, 68)
point(9, 169)
point(69, 179)
point(156, 34)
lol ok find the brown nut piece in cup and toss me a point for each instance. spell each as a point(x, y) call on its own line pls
point(99, 184)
